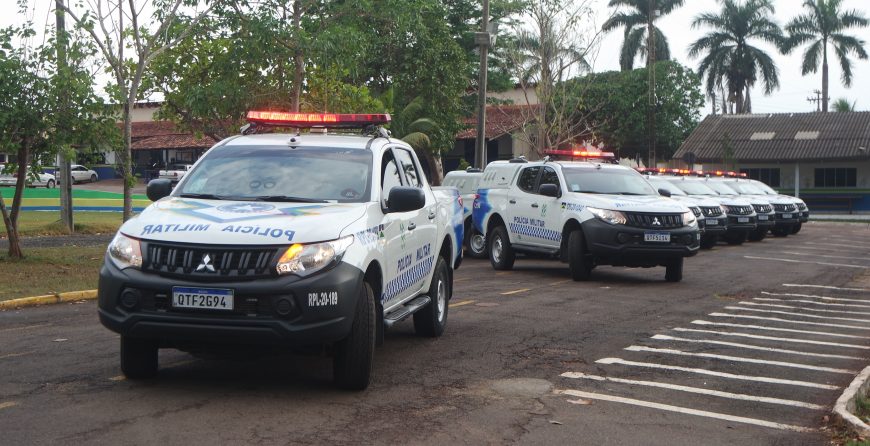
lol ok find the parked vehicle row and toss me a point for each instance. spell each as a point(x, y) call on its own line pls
point(33, 179)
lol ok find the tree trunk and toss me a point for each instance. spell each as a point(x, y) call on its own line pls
point(127, 163)
point(739, 96)
point(825, 76)
point(747, 104)
point(20, 183)
point(298, 62)
point(11, 232)
point(436, 167)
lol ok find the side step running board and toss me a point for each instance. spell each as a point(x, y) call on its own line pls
point(402, 313)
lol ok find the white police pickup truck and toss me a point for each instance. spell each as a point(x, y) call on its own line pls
point(586, 214)
point(286, 240)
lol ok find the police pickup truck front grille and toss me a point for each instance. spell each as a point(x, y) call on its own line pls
point(739, 210)
point(784, 207)
point(654, 221)
point(762, 208)
point(711, 211)
point(208, 261)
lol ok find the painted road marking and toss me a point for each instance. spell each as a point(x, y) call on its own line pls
point(15, 355)
point(687, 411)
point(7, 404)
point(853, 245)
point(788, 321)
point(118, 378)
point(827, 287)
point(816, 249)
point(522, 290)
point(794, 365)
point(826, 256)
point(561, 282)
point(787, 330)
point(26, 327)
point(459, 304)
point(751, 347)
point(771, 299)
point(698, 390)
point(790, 313)
point(813, 296)
point(802, 261)
point(764, 379)
point(802, 308)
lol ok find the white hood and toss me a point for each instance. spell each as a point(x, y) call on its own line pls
point(632, 203)
point(241, 222)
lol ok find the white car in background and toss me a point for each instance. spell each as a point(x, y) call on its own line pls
point(81, 173)
point(37, 180)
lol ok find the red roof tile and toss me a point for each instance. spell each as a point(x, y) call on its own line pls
point(500, 120)
point(165, 135)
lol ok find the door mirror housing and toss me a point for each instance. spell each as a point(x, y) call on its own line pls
point(549, 190)
point(158, 189)
point(405, 199)
point(665, 193)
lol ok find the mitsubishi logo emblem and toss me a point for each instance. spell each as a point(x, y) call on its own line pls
point(656, 221)
point(206, 264)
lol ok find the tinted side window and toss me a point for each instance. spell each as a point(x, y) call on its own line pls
point(390, 177)
point(408, 166)
point(527, 179)
point(550, 177)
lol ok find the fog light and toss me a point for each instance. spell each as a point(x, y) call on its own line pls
point(623, 237)
point(284, 306)
point(130, 298)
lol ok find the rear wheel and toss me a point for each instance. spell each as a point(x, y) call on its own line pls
point(796, 228)
point(430, 321)
point(735, 238)
point(674, 270)
point(93, 178)
point(578, 262)
point(476, 244)
point(352, 363)
point(138, 358)
point(501, 253)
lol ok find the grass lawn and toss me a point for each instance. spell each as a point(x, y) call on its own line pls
point(50, 270)
point(51, 197)
point(48, 223)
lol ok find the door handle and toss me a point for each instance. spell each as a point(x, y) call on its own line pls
point(412, 226)
point(432, 215)
point(534, 205)
point(512, 201)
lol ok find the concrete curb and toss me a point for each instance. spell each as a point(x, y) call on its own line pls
point(56, 298)
point(845, 407)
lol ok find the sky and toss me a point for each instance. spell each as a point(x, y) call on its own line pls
point(790, 98)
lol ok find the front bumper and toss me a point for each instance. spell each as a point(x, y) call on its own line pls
point(715, 225)
point(793, 219)
point(735, 224)
point(765, 221)
point(805, 216)
point(621, 245)
point(260, 314)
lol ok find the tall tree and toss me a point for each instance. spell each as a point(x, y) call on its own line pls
point(843, 105)
point(729, 57)
point(822, 25)
point(636, 21)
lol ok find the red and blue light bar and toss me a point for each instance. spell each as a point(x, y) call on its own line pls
point(307, 120)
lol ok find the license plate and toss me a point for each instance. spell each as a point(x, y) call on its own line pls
point(207, 298)
point(762, 217)
point(712, 222)
point(786, 215)
point(742, 219)
point(657, 237)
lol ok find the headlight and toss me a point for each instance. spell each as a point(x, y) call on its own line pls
point(689, 219)
point(612, 217)
point(125, 252)
point(309, 258)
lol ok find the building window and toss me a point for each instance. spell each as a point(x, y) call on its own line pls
point(837, 177)
point(768, 176)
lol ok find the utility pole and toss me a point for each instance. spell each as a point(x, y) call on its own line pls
point(64, 180)
point(650, 66)
point(817, 100)
point(483, 40)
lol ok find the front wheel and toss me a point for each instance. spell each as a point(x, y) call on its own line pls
point(501, 253)
point(50, 184)
point(431, 320)
point(674, 270)
point(709, 242)
point(735, 238)
point(138, 358)
point(781, 232)
point(93, 178)
point(354, 355)
point(758, 235)
point(796, 228)
point(476, 244)
point(578, 263)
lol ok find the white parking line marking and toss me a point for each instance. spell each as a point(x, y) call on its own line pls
point(827, 287)
point(508, 293)
point(687, 411)
point(15, 355)
point(788, 321)
point(802, 261)
point(811, 248)
point(698, 390)
point(825, 256)
point(786, 330)
point(790, 313)
point(8, 404)
point(750, 347)
point(459, 304)
point(813, 296)
point(771, 299)
point(866, 313)
point(794, 365)
point(26, 327)
point(764, 379)
point(852, 245)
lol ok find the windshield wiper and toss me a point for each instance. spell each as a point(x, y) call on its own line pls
point(204, 196)
point(286, 198)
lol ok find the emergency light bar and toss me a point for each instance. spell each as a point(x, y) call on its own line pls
point(307, 120)
point(580, 153)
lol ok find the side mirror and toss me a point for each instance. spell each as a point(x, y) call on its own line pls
point(406, 199)
point(549, 190)
point(158, 189)
point(665, 193)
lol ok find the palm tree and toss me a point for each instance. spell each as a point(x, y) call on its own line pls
point(730, 60)
point(636, 22)
point(843, 105)
point(822, 25)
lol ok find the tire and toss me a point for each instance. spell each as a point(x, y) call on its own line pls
point(781, 232)
point(476, 244)
point(735, 238)
point(758, 235)
point(93, 178)
point(50, 184)
point(578, 263)
point(138, 358)
point(501, 253)
point(352, 361)
point(674, 270)
point(431, 320)
point(796, 228)
point(709, 242)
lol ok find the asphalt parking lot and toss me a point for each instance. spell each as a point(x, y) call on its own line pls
point(753, 347)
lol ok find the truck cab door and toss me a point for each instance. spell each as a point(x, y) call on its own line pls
point(524, 209)
point(551, 208)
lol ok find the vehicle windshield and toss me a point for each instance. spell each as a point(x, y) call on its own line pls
point(302, 174)
point(745, 188)
point(607, 181)
point(695, 188)
point(764, 188)
point(722, 188)
point(659, 183)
